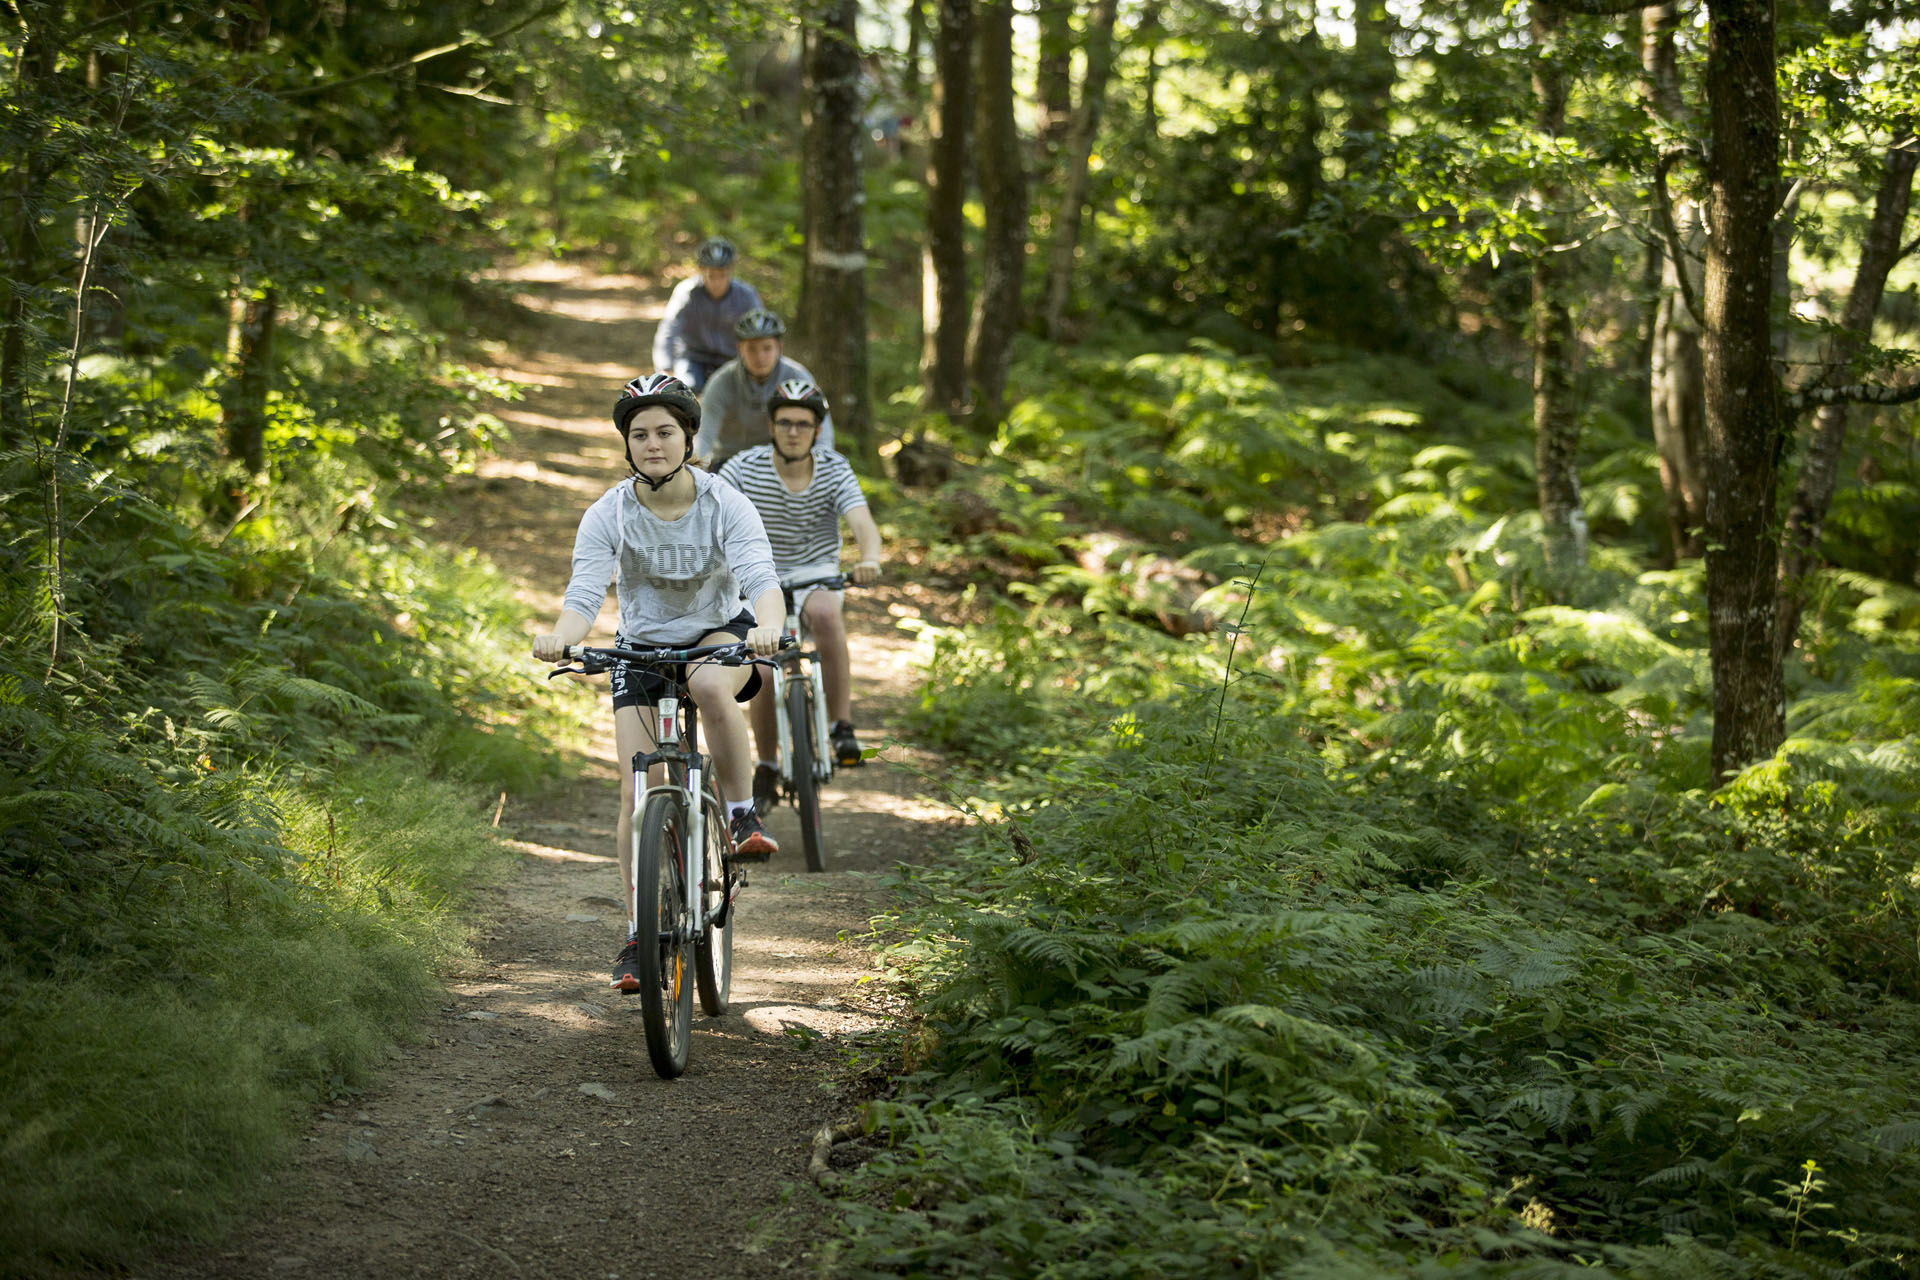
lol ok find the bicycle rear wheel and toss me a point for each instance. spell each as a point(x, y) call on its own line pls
point(714, 955)
point(806, 783)
point(666, 983)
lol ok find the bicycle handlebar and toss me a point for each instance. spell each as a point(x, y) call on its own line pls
point(598, 658)
point(832, 582)
point(837, 581)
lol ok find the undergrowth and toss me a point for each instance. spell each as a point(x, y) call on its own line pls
point(1224, 1009)
point(1386, 927)
point(238, 821)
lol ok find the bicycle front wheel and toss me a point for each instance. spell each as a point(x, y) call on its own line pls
point(714, 954)
point(666, 980)
point(806, 783)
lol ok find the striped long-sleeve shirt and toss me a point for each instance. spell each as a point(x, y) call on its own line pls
point(803, 528)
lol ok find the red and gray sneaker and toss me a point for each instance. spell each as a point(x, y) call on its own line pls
point(626, 969)
point(751, 843)
point(846, 747)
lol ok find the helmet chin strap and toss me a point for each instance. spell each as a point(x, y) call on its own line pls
point(649, 481)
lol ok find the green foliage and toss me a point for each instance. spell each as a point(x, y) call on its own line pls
point(248, 768)
point(152, 1075)
point(1388, 928)
point(1236, 1009)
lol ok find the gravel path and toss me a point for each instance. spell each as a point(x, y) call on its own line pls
point(526, 1134)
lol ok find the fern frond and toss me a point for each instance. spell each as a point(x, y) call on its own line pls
point(1692, 1169)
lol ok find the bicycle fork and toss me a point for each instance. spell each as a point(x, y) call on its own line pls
point(693, 835)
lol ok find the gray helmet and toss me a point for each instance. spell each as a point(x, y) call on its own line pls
point(759, 323)
point(715, 251)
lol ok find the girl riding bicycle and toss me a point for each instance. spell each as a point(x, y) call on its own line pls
point(683, 550)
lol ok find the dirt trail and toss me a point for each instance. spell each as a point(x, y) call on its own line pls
point(527, 1134)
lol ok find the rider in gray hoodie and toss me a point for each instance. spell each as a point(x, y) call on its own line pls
point(733, 411)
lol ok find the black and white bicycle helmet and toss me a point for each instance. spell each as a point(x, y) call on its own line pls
point(715, 251)
point(801, 394)
point(670, 394)
point(759, 323)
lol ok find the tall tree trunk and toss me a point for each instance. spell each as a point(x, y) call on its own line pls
point(251, 323)
point(912, 87)
point(1556, 426)
point(34, 69)
point(1674, 371)
point(1053, 76)
point(1003, 193)
point(104, 310)
point(1742, 392)
point(253, 314)
point(1303, 166)
point(1073, 199)
point(833, 288)
point(1148, 36)
point(1813, 494)
point(943, 352)
point(1370, 85)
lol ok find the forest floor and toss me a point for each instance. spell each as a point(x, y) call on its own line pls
point(525, 1132)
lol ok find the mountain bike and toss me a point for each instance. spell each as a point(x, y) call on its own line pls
point(800, 709)
point(684, 878)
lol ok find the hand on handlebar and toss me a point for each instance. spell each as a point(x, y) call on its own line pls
point(764, 641)
point(549, 648)
point(865, 572)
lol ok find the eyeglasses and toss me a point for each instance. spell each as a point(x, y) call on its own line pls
point(784, 424)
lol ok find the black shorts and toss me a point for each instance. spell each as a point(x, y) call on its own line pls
point(635, 686)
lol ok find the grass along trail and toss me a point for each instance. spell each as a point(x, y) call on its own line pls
point(525, 1134)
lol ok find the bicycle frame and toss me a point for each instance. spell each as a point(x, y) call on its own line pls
point(796, 630)
point(671, 721)
point(677, 746)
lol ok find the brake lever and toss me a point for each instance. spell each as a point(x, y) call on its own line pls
point(575, 671)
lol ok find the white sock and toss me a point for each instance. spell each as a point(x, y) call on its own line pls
point(768, 764)
point(737, 807)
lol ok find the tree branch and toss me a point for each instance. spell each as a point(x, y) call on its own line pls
point(1857, 393)
point(1675, 250)
point(1603, 8)
point(427, 55)
point(1790, 201)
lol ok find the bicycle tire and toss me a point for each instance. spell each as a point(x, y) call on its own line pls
point(713, 955)
point(806, 783)
point(666, 985)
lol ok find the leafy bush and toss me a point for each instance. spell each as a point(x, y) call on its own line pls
point(242, 772)
point(1229, 1010)
point(1389, 928)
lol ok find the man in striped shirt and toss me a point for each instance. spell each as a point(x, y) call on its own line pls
point(802, 491)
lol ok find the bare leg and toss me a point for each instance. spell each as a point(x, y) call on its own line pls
point(766, 728)
point(828, 624)
point(713, 687)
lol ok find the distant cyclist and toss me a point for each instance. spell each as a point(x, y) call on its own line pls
point(734, 405)
point(683, 550)
point(802, 490)
point(695, 336)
